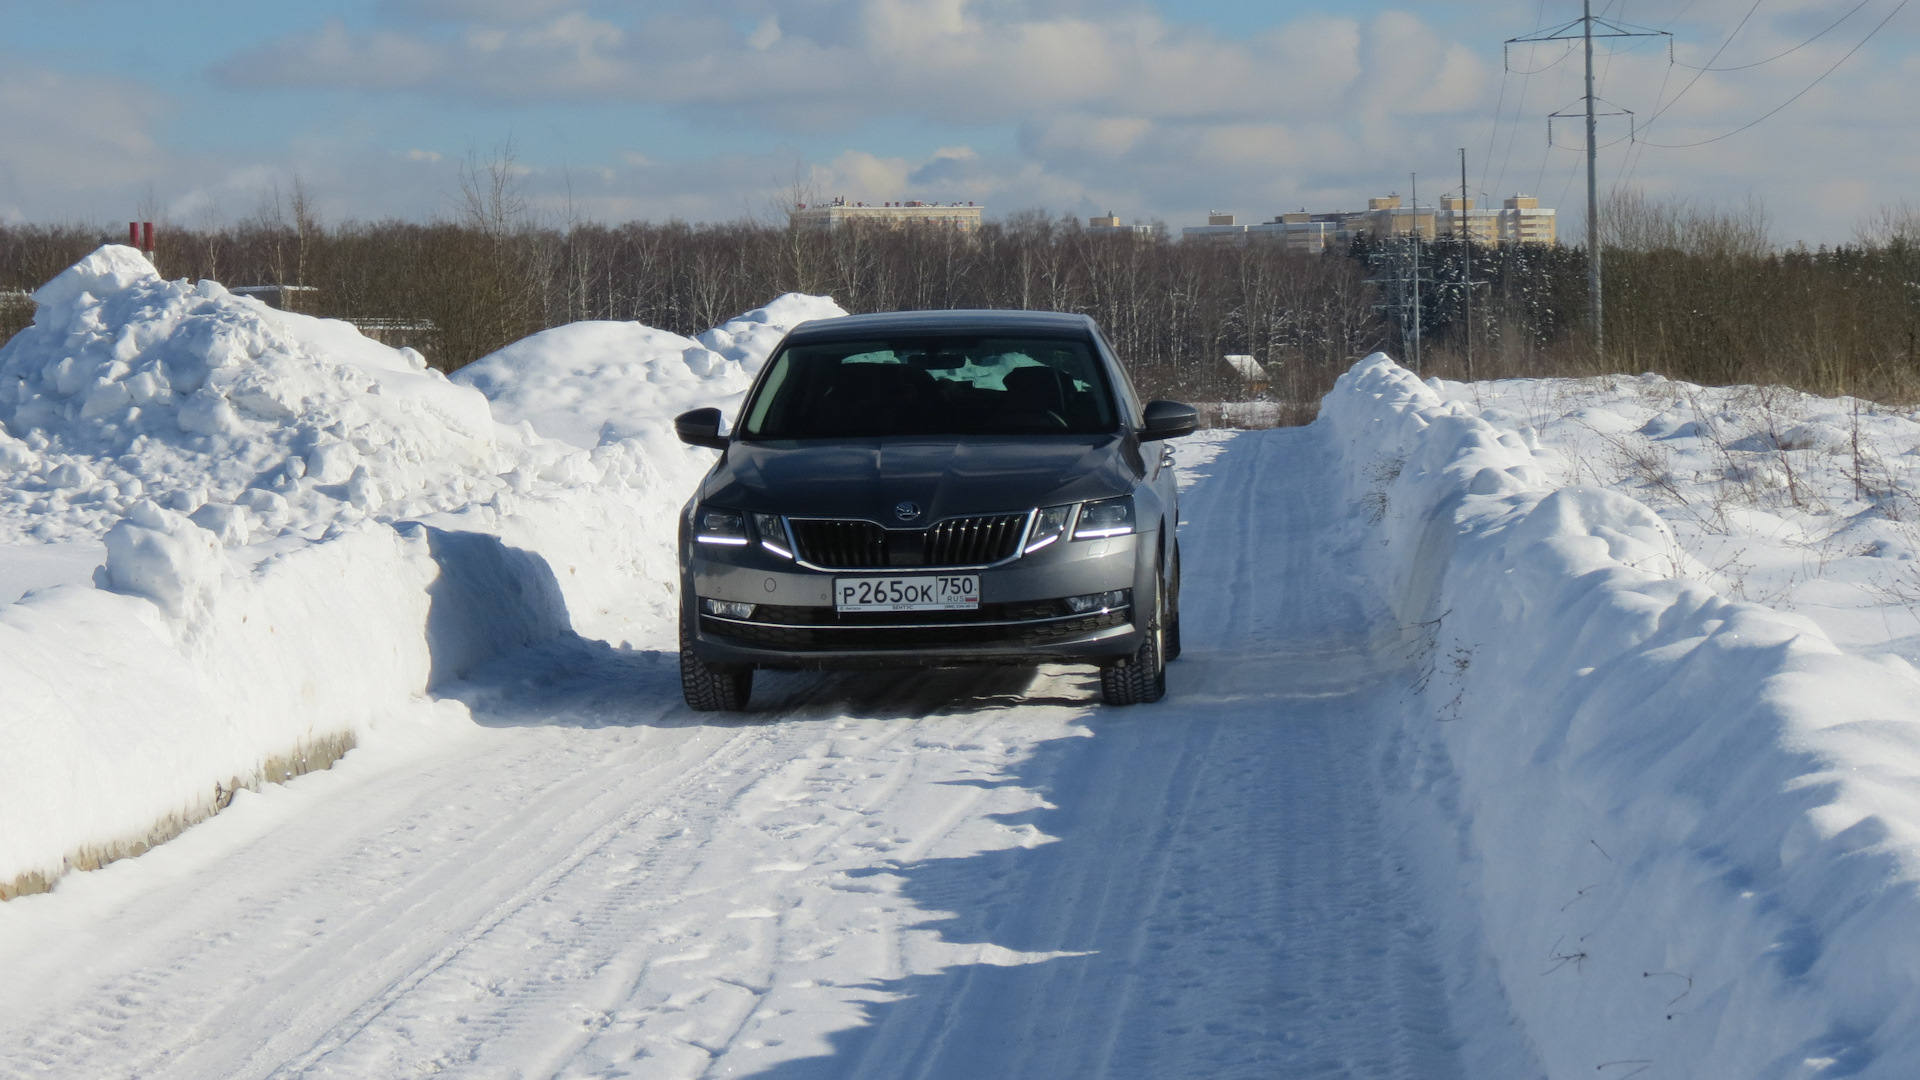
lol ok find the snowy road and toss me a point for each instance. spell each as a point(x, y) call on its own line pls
point(956, 874)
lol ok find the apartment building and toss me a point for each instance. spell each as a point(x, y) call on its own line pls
point(961, 217)
point(1110, 226)
point(1524, 221)
point(1521, 219)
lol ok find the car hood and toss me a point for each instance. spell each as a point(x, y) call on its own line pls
point(869, 478)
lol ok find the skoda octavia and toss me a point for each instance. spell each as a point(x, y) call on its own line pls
point(926, 489)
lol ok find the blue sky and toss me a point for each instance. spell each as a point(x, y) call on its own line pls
point(712, 110)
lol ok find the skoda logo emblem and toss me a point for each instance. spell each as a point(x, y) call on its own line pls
point(906, 511)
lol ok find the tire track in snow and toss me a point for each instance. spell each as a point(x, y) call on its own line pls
point(946, 874)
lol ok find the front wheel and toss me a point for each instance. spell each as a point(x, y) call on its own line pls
point(1141, 678)
point(1172, 648)
point(711, 687)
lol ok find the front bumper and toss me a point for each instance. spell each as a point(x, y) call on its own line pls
point(1022, 617)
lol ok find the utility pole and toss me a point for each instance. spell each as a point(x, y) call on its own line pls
point(1593, 197)
point(1466, 263)
point(1413, 180)
point(1607, 29)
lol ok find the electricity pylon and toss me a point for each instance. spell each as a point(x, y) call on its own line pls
point(1607, 29)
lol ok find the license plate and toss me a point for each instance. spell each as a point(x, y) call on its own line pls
point(947, 592)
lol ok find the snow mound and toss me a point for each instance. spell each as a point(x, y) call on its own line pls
point(1688, 826)
point(589, 383)
point(129, 388)
point(305, 533)
point(749, 339)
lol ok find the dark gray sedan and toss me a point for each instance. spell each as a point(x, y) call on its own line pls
point(933, 488)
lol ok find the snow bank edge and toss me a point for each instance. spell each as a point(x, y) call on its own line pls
point(1691, 821)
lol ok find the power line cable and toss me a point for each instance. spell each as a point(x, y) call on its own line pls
point(1742, 67)
point(1630, 161)
point(1546, 67)
point(1513, 131)
point(1702, 72)
point(1803, 92)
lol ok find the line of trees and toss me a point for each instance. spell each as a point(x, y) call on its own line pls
point(1694, 293)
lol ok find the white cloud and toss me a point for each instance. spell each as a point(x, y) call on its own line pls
point(765, 34)
point(950, 60)
point(1072, 105)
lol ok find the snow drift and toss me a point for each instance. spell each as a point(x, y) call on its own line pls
point(305, 531)
point(1692, 824)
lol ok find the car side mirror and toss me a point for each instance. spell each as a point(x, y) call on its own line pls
point(1168, 420)
point(700, 427)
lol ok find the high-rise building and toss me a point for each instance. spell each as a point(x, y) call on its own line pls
point(1459, 215)
point(1524, 221)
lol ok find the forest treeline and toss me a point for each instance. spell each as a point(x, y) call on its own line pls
point(1693, 293)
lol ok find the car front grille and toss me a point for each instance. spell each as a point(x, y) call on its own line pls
point(840, 543)
point(864, 545)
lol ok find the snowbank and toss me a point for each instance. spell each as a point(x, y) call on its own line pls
point(1693, 825)
point(1791, 500)
point(594, 382)
point(257, 422)
point(304, 531)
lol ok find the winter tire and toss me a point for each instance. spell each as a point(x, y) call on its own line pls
point(713, 687)
point(1172, 647)
point(1141, 678)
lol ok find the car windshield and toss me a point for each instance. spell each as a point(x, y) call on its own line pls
point(944, 385)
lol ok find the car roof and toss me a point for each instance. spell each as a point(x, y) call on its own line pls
point(971, 321)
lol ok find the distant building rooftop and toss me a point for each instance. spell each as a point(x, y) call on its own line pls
point(839, 213)
point(1520, 219)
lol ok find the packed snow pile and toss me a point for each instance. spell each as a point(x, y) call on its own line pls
point(128, 388)
point(1690, 824)
point(595, 382)
point(303, 531)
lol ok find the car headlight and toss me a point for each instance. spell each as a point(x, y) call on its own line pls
point(1108, 517)
point(712, 525)
point(1049, 523)
point(773, 535)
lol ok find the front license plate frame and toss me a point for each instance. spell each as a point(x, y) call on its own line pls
point(907, 592)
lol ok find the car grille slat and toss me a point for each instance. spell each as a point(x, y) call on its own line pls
point(852, 544)
point(848, 544)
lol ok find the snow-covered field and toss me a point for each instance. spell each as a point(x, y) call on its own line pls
point(1801, 503)
point(1524, 729)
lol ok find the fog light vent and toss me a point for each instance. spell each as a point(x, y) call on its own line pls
point(1100, 601)
point(727, 609)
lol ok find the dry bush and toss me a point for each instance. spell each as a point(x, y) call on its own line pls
point(1694, 292)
